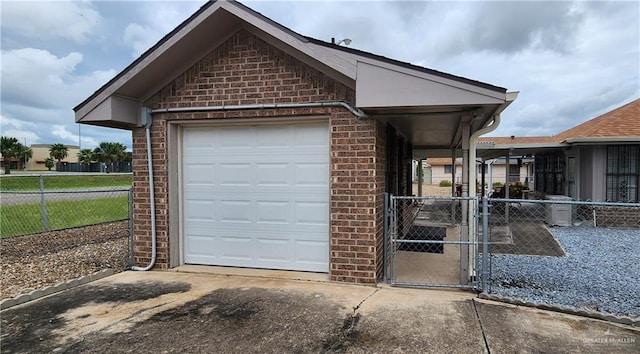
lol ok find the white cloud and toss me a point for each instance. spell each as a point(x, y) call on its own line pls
point(156, 19)
point(27, 137)
point(62, 132)
point(140, 38)
point(16, 123)
point(38, 78)
point(73, 20)
point(19, 129)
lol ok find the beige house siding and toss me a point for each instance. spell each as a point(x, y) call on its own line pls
point(41, 152)
point(493, 174)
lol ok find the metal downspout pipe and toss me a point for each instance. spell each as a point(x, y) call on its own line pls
point(472, 191)
point(146, 115)
point(510, 97)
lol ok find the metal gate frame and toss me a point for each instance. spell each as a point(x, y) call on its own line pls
point(394, 233)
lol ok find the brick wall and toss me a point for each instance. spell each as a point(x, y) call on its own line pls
point(247, 70)
point(610, 216)
point(381, 166)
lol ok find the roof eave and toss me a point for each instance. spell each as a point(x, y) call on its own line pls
point(602, 140)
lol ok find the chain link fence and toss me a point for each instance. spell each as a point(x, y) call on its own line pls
point(565, 253)
point(555, 252)
point(55, 227)
point(428, 242)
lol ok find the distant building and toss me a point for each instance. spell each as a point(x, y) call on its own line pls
point(41, 152)
point(439, 169)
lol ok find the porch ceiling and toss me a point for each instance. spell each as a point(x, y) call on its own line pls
point(431, 128)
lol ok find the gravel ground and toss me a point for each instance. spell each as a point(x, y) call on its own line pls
point(36, 261)
point(600, 272)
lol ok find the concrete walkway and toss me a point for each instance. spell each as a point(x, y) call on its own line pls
point(167, 312)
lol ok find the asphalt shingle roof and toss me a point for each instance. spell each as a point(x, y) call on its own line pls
point(623, 121)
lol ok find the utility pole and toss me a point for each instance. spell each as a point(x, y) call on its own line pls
point(24, 166)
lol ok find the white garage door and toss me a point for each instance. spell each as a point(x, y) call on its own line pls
point(257, 196)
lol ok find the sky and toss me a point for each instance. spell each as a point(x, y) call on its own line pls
point(571, 61)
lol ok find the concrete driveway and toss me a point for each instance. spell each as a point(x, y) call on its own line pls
point(167, 312)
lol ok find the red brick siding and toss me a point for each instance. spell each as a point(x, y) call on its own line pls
point(246, 70)
point(381, 165)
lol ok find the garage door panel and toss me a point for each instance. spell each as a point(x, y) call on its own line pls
point(234, 174)
point(228, 138)
point(274, 174)
point(199, 174)
point(311, 136)
point(257, 196)
point(273, 136)
point(273, 212)
point(273, 250)
point(306, 251)
point(235, 211)
point(201, 245)
point(311, 213)
point(200, 209)
point(311, 174)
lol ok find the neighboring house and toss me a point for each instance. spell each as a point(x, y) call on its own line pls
point(269, 149)
point(440, 169)
point(41, 152)
point(596, 160)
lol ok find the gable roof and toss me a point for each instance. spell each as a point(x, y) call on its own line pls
point(216, 21)
point(621, 125)
point(341, 58)
point(621, 122)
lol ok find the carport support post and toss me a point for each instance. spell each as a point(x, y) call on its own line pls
point(420, 177)
point(483, 170)
point(507, 186)
point(43, 206)
point(464, 225)
point(485, 243)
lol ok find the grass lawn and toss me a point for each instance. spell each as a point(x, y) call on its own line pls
point(27, 218)
point(27, 183)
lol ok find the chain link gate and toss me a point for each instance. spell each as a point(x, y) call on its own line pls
point(428, 242)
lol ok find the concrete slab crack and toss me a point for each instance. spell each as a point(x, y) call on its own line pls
point(484, 337)
point(357, 307)
point(348, 333)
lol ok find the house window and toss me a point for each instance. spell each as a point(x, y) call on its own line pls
point(448, 169)
point(514, 173)
point(623, 173)
point(550, 173)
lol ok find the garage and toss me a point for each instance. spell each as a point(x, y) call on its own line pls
point(256, 196)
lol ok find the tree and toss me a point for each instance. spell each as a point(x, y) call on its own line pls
point(58, 151)
point(85, 157)
point(25, 155)
point(128, 156)
point(48, 162)
point(109, 152)
point(10, 148)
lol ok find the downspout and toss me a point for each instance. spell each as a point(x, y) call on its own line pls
point(146, 114)
point(495, 122)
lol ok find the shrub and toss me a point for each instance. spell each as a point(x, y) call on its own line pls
point(445, 183)
point(497, 184)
